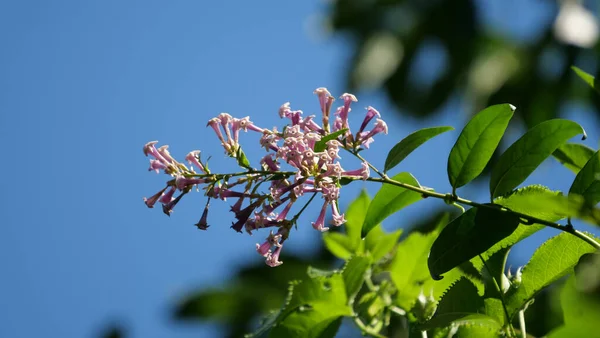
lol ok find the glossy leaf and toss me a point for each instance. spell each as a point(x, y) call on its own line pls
point(389, 200)
point(573, 155)
point(411, 142)
point(355, 217)
point(552, 260)
point(322, 143)
point(354, 275)
point(528, 152)
point(467, 236)
point(476, 144)
point(379, 243)
point(587, 181)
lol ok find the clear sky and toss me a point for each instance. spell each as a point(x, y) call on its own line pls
point(84, 84)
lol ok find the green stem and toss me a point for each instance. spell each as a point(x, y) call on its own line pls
point(522, 323)
point(366, 329)
point(455, 199)
point(501, 293)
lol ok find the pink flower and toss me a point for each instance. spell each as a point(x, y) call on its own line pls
point(363, 172)
point(193, 159)
point(214, 124)
point(168, 197)
point(152, 200)
point(168, 208)
point(183, 182)
point(273, 259)
point(156, 165)
point(319, 224)
point(268, 161)
point(338, 219)
point(380, 126)
point(345, 110)
point(284, 110)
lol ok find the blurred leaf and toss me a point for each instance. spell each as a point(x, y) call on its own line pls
point(493, 271)
point(322, 143)
point(408, 269)
point(379, 243)
point(573, 155)
point(314, 307)
point(587, 78)
point(354, 275)
point(478, 326)
point(587, 181)
point(552, 260)
point(339, 244)
point(411, 142)
point(467, 236)
point(461, 300)
point(355, 217)
point(389, 200)
point(112, 332)
point(528, 152)
point(477, 143)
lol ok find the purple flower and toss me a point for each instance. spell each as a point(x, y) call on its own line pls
point(371, 113)
point(380, 126)
point(152, 200)
point(168, 197)
point(268, 161)
point(338, 219)
point(202, 223)
point(156, 165)
point(345, 110)
point(168, 208)
point(214, 124)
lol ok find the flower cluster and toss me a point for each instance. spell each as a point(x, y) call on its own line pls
point(308, 150)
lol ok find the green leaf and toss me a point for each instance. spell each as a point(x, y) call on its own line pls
point(354, 275)
point(390, 199)
point(578, 307)
point(322, 143)
point(478, 326)
point(587, 181)
point(379, 243)
point(573, 155)
point(477, 143)
point(339, 244)
point(242, 160)
point(313, 308)
point(467, 236)
point(589, 79)
point(461, 300)
point(355, 217)
point(528, 152)
point(408, 269)
point(411, 142)
point(552, 260)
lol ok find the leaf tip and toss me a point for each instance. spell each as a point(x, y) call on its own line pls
point(513, 108)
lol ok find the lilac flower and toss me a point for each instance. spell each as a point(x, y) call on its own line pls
point(363, 172)
point(156, 165)
point(371, 113)
point(150, 149)
point(268, 161)
point(193, 159)
point(284, 110)
point(168, 208)
point(273, 259)
point(182, 182)
point(152, 200)
point(325, 100)
point(345, 109)
point(338, 219)
point(319, 224)
point(168, 197)
point(380, 126)
point(214, 124)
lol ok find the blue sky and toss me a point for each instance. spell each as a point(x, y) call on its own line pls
point(83, 85)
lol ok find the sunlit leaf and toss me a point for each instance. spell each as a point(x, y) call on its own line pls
point(355, 217)
point(378, 243)
point(411, 142)
point(573, 155)
point(314, 305)
point(354, 274)
point(552, 260)
point(528, 152)
point(477, 326)
point(339, 244)
point(389, 200)
point(467, 236)
point(477, 143)
point(587, 181)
